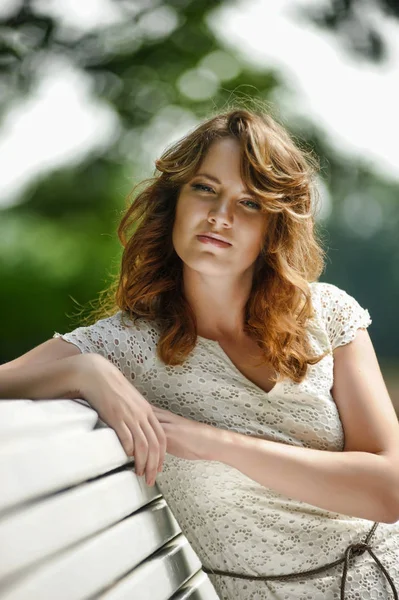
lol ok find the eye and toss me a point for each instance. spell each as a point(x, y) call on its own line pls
point(201, 186)
point(255, 204)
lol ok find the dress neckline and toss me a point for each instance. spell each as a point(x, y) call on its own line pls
point(215, 344)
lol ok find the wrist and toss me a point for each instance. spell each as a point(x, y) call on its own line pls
point(220, 445)
point(79, 371)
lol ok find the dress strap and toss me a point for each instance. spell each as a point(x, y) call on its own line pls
point(352, 550)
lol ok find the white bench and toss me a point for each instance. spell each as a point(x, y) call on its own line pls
point(75, 520)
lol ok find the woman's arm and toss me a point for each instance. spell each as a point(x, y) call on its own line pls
point(33, 380)
point(362, 481)
point(358, 484)
point(92, 377)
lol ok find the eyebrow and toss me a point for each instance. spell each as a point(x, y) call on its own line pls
point(216, 180)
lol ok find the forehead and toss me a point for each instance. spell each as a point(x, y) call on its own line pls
point(224, 150)
point(222, 164)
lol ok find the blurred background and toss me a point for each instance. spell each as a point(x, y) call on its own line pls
point(92, 92)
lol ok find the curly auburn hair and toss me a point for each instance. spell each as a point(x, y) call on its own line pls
point(150, 282)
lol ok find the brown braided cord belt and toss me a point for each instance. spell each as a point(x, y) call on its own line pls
point(351, 550)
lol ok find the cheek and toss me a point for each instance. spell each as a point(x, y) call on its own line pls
point(182, 228)
point(180, 224)
point(179, 217)
point(256, 242)
point(188, 217)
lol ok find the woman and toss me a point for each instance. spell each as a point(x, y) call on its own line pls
point(252, 384)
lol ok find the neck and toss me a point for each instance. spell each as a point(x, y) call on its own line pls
point(218, 303)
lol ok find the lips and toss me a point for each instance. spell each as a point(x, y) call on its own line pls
point(209, 240)
point(215, 236)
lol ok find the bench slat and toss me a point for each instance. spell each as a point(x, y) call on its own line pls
point(76, 523)
point(36, 531)
point(52, 464)
point(159, 577)
point(94, 564)
point(198, 587)
point(23, 420)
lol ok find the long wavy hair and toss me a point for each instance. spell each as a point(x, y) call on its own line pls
point(150, 282)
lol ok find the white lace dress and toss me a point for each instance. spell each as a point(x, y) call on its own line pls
point(232, 522)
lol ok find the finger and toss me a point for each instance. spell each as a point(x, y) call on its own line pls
point(125, 437)
point(140, 447)
point(160, 433)
point(163, 416)
point(153, 452)
point(160, 410)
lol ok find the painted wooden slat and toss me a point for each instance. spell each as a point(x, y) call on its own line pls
point(54, 463)
point(40, 529)
point(22, 420)
point(64, 536)
point(94, 564)
point(160, 576)
point(199, 587)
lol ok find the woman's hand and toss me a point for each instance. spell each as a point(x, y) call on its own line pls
point(123, 408)
point(186, 438)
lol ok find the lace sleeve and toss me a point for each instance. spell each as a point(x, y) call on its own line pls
point(127, 347)
point(87, 339)
point(343, 315)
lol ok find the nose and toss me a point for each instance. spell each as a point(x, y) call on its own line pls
point(221, 214)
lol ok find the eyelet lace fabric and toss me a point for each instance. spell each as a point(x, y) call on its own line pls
point(232, 522)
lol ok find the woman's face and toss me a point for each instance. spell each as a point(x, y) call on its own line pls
point(224, 208)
